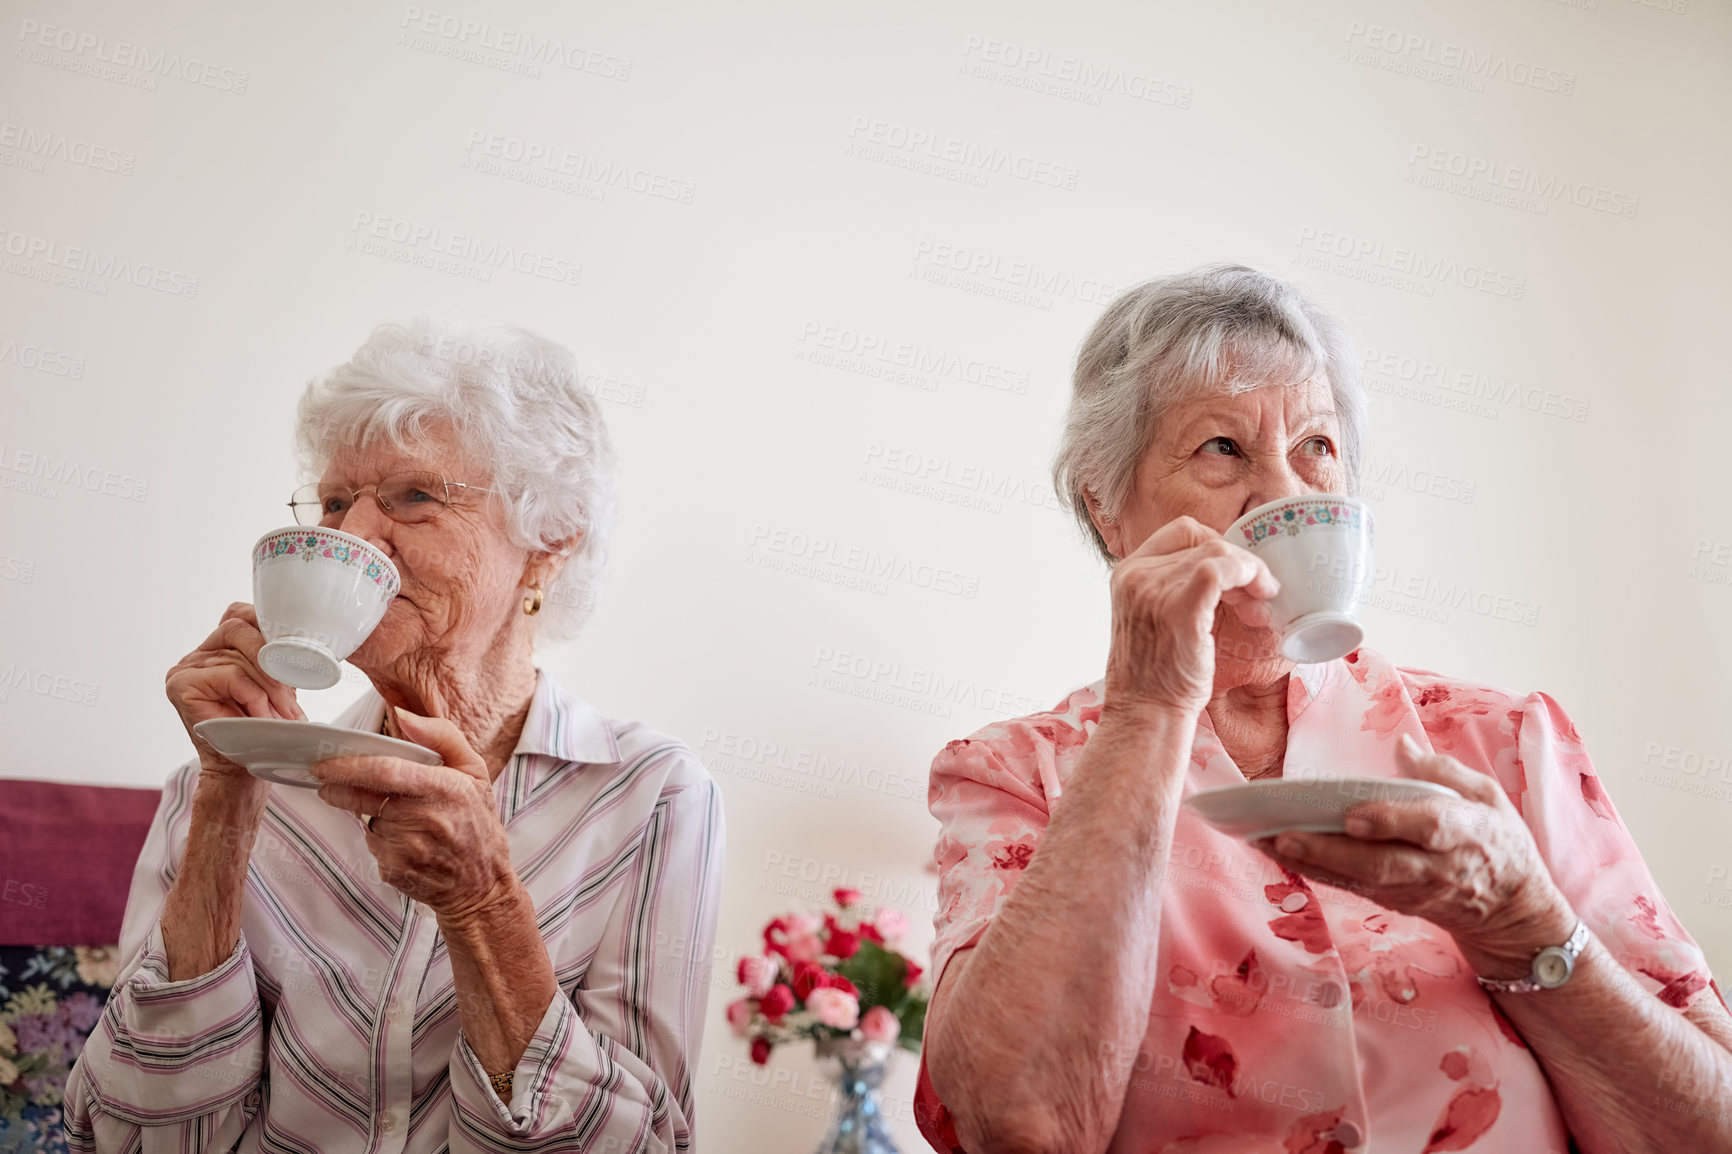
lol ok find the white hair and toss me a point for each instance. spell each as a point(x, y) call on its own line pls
point(516, 401)
point(1221, 328)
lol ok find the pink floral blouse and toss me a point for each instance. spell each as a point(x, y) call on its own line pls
point(1295, 1018)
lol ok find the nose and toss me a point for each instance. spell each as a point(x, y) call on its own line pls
point(1276, 481)
point(366, 520)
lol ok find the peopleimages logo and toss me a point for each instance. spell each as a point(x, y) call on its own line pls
point(1418, 51)
point(88, 268)
point(1518, 186)
point(1021, 282)
point(41, 144)
point(1070, 77)
point(515, 42)
point(1357, 255)
point(902, 145)
point(122, 54)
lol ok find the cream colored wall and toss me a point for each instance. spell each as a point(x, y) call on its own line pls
point(794, 318)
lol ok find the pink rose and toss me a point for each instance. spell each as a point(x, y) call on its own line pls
point(846, 896)
point(834, 1008)
point(804, 948)
point(739, 1016)
point(757, 974)
point(891, 922)
point(880, 1025)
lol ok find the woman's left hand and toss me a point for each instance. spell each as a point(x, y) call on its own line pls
point(439, 840)
point(1468, 866)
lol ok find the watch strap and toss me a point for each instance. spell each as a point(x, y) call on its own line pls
point(1571, 949)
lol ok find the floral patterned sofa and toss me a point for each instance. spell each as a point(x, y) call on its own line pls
point(66, 858)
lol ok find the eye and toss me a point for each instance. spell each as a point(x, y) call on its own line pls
point(417, 497)
point(335, 504)
point(1317, 447)
point(1220, 446)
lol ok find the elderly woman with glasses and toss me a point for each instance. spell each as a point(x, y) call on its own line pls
point(508, 954)
point(1499, 974)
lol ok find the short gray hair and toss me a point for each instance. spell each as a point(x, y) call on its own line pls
point(1221, 328)
point(516, 400)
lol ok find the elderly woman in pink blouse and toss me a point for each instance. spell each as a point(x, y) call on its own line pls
point(504, 953)
point(1113, 974)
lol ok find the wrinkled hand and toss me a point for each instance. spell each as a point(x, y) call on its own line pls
point(1467, 866)
point(222, 678)
point(1164, 599)
point(439, 841)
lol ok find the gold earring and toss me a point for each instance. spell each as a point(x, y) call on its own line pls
point(532, 603)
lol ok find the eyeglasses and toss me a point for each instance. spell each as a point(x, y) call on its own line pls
point(411, 497)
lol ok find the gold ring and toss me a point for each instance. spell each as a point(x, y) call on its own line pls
point(382, 806)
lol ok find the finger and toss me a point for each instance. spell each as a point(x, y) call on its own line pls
point(1413, 761)
point(444, 738)
point(1253, 611)
point(386, 775)
point(1306, 869)
point(238, 632)
point(1179, 534)
point(1434, 824)
point(361, 802)
point(281, 697)
point(1361, 863)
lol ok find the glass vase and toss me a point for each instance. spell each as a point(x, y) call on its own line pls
point(857, 1068)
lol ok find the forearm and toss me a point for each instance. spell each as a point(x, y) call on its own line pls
point(201, 915)
point(503, 976)
point(1078, 931)
point(1631, 1074)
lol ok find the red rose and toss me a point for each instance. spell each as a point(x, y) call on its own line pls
point(842, 943)
point(846, 896)
point(808, 976)
point(774, 936)
point(913, 975)
point(871, 932)
point(760, 1050)
point(777, 1002)
point(838, 982)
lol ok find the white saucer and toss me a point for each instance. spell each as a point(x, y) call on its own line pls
point(283, 751)
point(1261, 808)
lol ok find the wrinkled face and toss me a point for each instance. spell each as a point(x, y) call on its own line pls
point(462, 575)
point(1217, 457)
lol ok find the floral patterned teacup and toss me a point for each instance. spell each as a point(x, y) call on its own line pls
point(318, 593)
point(1319, 548)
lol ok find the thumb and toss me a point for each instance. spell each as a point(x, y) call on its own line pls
point(442, 737)
point(1439, 769)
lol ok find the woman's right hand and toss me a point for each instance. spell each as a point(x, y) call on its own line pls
point(222, 678)
point(1164, 600)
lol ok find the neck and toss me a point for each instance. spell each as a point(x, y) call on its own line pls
point(1251, 722)
point(486, 697)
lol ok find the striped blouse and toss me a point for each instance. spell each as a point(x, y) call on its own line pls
point(334, 1024)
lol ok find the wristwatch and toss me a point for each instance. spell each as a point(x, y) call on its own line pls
point(1552, 967)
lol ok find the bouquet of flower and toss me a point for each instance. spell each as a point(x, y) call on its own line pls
point(831, 977)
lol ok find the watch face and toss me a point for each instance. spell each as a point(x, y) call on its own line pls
point(1552, 967)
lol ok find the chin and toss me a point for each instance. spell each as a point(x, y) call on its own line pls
point(1245, 656)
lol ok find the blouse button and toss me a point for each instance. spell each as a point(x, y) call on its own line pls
point(1348, 1134)
point(1294, 902)
point(388, 1120)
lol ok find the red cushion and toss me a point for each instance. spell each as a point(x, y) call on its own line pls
point(66, 858)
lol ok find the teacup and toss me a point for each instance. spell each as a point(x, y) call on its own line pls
point(318, 594)
point(1319, 548)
